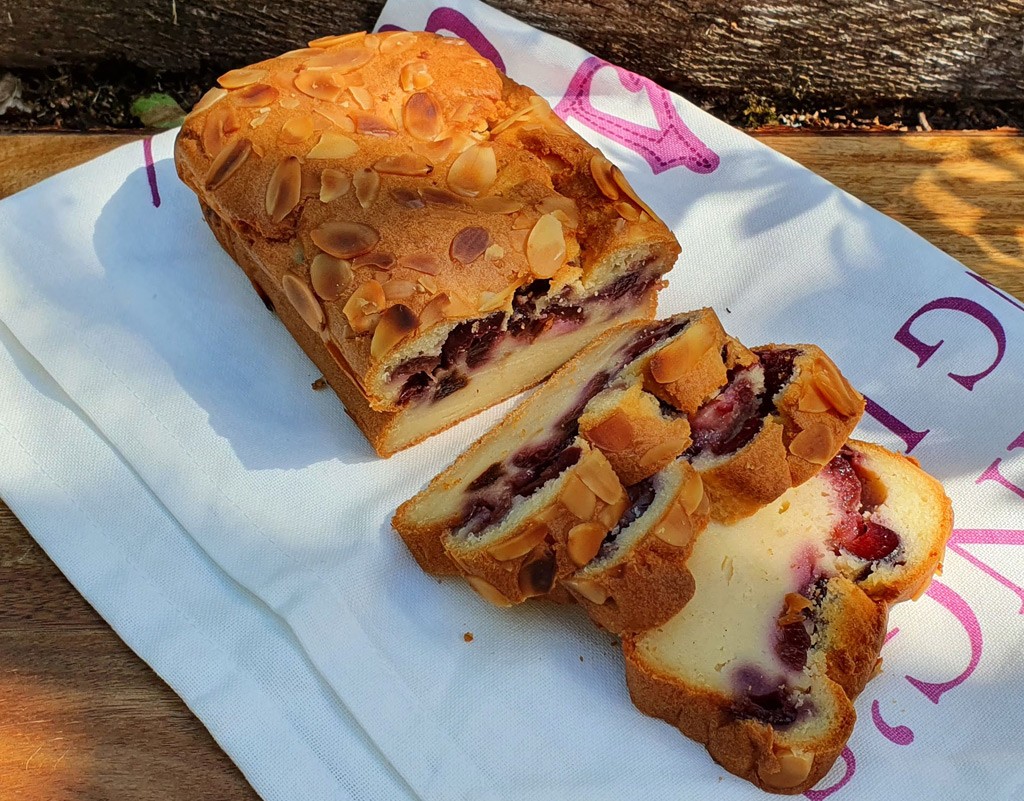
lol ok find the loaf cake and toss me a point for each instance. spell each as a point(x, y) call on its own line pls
point(789, 614)
point(431, 234)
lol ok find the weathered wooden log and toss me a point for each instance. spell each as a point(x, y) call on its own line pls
point(862, 49)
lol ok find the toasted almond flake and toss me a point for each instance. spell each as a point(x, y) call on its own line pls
point(403, 164)
point(399, 289)
point(494, 252)
point(516, 116)
point(601, 171)
point(520, 544)
point(334, 184)
point(362, 309)
point(441, 197)
point(257, 121)
point(627, 211)
point(496, 204)
point(422, 263)
point(414, 75)
point(469, 244)
point(584, 541)
point(361, 96)
point(623, 184)
point(597, 474)
point(303, 301)
point(836, 389)
point(236, 79)
point(214, 95)
point(433, 312)
point(488, 591)
point(370, 124)
point(434, 152)
point(255, 95)
point(675, 527)
point(683, 353)
point(367, 186)
point(463, 110)
point(395, 40)
point(345, 240)
point(589, 590)
point(337, 115)
point(577, 498)
point(396, 324)
point(341, 61)
point(377, 258)
point(518, 239)
point(793, 768)
point(812, 400)
point(333, 145)
point(334, 41)
point(283, 191)
point(372, 41)
point(459, 308)
point(318, 85)
point(296, 129)
point(428, 283)
point(545, 247)
point(227, 162)
point(422, 117)
point(492, 301)
point(523, 222)
point(330, 276)
point(815, 444)
point(562, 207)
point(661, 453)
point(474, 171)
point(289, 102)
point(692, 492)
point(220, 123)
point(406, 197)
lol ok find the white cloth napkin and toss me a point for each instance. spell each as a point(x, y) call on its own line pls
point(159, 437)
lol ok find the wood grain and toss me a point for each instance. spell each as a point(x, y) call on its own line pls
point(83, 718)
point(865, 49)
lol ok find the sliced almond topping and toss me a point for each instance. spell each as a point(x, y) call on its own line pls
point(428, 283)
point(296, 129)
point(290, 102)
point(463, 110)
point(339, 39)
point(236, 79)
point(815, 444)
point(345, 240)
point(255, 95)
point(363, 307)
point(422, 263)
point(518, 239)
point(330, 276)
point(214, 95)
point(623, 184)
point(433, 312)
point(584, 542)
point(337, 115)
point(395, 40)
point(407, 197)
point(303, 301)
point(302, 52)
point(378, 259)
point(488, 591)
point(333, 184)
point(230, 158)
point(627, 211)
point(562, 207)
point(422, 117)
point(441, 197)
point(333, 145)
point(675, 527)
point(403, 164)
point(474, 171)
point(601, 171)
point(458, 308)
point(367, 185)
point(545, 247)
point(662, 453)
point(516, 116)
point(257, 121)
point(612, 513)
point(340, 61)
point(218, 127)
point(523, 221)
point(677, 358)
point(492, 301)
point(577, 498)
point(414, 75)
point(494, 252)
point(370, 124)
point(597, 474)
point(613, 434)
point(793, 769)
point(812, 399)
point(469, 244)
point(398, 289)
point(692, 491)
point(396, 324)
point(496, 204)
point(836, 389)
point(318, 85)
point(284, 188)
point(521, 544)
point(434, 152)
point(589, 590)
point(361, 96)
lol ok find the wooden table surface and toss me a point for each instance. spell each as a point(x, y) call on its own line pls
point(82, 717)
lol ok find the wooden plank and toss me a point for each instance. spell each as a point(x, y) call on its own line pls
point(925, 49)
point(84, 718)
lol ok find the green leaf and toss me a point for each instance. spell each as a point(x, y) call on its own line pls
point(158, 110)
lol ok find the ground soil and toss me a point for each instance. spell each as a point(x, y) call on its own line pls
point(100, 99)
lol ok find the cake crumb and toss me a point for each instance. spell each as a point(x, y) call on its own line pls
point(320, 383)
point(468, 636)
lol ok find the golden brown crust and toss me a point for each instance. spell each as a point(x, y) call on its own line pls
point(529, 560)
point(650, 582)
point(428, 186)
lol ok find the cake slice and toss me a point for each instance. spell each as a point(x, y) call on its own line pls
point(788, 617)
point(430, 233)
